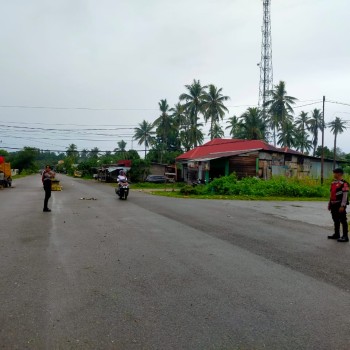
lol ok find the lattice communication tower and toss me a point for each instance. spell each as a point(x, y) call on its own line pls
point(266, 72)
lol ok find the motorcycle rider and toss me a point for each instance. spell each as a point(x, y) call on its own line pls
point(121, 178)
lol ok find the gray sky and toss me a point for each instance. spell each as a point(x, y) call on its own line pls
point(123, 56)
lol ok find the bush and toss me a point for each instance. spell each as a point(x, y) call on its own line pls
point(277, 187)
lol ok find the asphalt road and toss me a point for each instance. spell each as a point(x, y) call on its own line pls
point(164, 273)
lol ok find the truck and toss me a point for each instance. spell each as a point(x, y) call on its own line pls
point(5, 175)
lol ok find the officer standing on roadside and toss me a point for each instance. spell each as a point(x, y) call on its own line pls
point(48, 174)
point(337, 205)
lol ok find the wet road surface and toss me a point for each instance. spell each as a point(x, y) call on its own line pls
point(163, 273)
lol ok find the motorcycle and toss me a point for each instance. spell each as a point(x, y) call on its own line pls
point(122, 190)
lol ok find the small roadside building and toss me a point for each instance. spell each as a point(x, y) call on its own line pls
point(221, 157)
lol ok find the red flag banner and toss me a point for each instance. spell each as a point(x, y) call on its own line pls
point(2, 159)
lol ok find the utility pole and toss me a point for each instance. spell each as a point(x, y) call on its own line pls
point(322, 153)
point(266, 72)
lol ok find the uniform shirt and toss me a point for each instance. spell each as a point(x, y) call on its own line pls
point(47, 175)
point(339, 192)
point(122, 178)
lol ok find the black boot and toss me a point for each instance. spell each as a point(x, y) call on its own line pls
point(343, 239)
point(335, 236)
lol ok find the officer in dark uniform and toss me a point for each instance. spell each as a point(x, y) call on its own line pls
point(337, 205)
point(48, 174)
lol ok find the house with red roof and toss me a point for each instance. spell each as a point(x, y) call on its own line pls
point(221, 157)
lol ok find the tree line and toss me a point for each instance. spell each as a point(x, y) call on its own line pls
point(180, 128)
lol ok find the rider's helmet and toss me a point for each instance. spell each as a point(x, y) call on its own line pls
point(122, 172)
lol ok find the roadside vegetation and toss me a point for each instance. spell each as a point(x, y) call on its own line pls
point(278, 188)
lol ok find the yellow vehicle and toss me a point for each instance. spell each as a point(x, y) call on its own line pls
point(77, 173)
point(5, 175)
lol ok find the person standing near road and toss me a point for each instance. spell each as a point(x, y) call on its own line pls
point(47, 175)
point(337, 205)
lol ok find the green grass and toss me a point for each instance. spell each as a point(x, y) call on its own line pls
point(178, 194)
point(278, 188)
point(147, 185)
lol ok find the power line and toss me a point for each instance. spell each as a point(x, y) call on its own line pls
point(66, 151)
point(57, 139)
point(35, 123)
point(339, 103)
point(308, 104)
point(79, 108)
point(55, 129)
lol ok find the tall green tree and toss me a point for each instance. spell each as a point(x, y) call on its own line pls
point(193, 101)
point(25, 159)
point(287, 135)
point(121, 146)
point(337, 126)
point(3, 152)
point(216, 131)
point(94, 152)
point(253, 125)
point(144, 134)
point(164, 126)
point(179, 116)
point(302, 141)
point(180, 126)
point(214, 109)
point(72, 153)
point(235, 127)
point(279, 108)
point(84, 154)
point(315, 125)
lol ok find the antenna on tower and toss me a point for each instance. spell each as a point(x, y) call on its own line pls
point(266, 73)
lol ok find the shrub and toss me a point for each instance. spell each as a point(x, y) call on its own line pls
point(277, 186)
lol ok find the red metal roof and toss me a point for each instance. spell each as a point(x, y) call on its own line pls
point(217, 148)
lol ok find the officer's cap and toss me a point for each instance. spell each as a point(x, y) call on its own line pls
point(338, 171)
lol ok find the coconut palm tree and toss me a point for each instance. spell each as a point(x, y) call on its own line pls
point(216, 131)
point(164, 122)
point(213, 108)
point(337, 126)
point(164, 127)
point(180, 125)
point(287, 135)
point(315, 124)
point(253, 125)
point(72, 152)
point(93, 153)
point(302, 142)
point(235, 127)
point(279, 108)
point(121, 146)
point(302, 125)
point(193, 106)
point(84, 154)
point(144, 134)
point(178, 115)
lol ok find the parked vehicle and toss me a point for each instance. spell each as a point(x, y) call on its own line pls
point(157, 179)
point(78, 173)
point(5, 175)
point(122, 189)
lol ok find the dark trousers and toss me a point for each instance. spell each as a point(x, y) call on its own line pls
point(47, 188)
point(339, 218)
